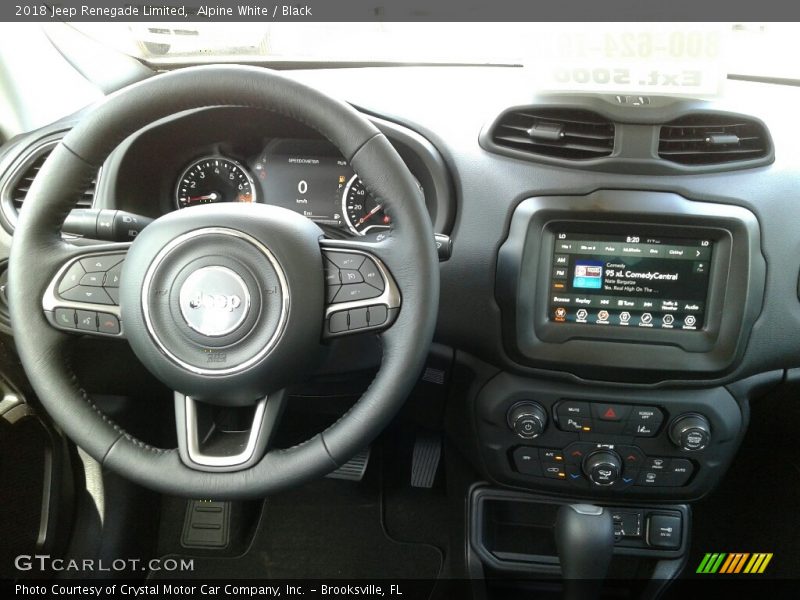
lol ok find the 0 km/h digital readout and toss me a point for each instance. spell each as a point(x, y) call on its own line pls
point(629, 281)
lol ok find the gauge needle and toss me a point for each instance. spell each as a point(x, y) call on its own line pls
point(212, 196)
point(370, 214)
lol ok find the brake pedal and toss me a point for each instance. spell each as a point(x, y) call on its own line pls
point(425, 460)
point(353, 469)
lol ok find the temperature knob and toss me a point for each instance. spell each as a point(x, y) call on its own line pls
point(527, 419)
point(603, 467)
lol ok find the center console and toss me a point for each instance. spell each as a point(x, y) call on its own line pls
point(619, 309)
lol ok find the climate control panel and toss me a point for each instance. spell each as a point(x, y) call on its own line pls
point(579, 440)
point(615, 467)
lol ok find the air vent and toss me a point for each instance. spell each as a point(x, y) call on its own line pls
point(564, 133)
point(21, 187)
point(713, 139)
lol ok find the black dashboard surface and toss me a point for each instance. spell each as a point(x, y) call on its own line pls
point(449, 110)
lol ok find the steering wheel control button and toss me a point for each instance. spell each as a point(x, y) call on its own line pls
point(107, 323)
point(345, 260)
point(358, 319)
point(371, 274)
point(330, 292)
point(357, 291)
point(93, 279)
point(338, 322)
point(87, 320)
point(377, 315)
point(71, 278)
point(101, 263)
point(65, 317)
point(113, 277)
point(690, 432)
point(351, 276)
point(214, 301)
point(90, 295)
point(332, 277)
point(602, 468)
point(526, 461)
point(664, 531)
point(527, 419)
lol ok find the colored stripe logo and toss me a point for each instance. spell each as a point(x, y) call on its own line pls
point(733, 563)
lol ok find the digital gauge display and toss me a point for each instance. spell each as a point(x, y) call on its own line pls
point(308, 185)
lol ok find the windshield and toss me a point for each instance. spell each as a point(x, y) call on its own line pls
point(757, 49)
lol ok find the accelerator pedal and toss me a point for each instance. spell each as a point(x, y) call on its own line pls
point(353, 469)
point(425, 460)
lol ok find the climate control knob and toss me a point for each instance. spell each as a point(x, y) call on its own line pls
point(603, 467)
point(690, 432)
point(527, 419)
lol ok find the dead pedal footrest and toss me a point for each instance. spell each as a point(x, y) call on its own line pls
point(207, 524)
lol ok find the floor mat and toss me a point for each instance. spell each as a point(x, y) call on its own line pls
point(325, 529)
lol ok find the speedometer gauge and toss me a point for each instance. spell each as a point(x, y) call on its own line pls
point(214, 179)
point(362, 212)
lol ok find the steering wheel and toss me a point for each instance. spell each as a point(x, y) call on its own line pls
point(225, 304)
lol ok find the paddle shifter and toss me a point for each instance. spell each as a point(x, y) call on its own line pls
point(585, 542)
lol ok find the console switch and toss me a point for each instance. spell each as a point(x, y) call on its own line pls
point(664, 531)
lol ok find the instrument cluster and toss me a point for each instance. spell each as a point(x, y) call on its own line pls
point(296, 174)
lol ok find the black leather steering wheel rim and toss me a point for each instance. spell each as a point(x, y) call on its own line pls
point(38, 251)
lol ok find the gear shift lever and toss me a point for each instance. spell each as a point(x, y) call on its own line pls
point(585, 542)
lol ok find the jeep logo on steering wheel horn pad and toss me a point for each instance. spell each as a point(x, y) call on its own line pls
point(214, 301)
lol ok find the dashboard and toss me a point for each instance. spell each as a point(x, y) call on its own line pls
point(618, 270)
point(224, 154)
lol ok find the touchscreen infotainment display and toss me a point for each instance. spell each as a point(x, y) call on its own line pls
point(629, 280)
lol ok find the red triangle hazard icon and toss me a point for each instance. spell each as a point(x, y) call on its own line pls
point(610, 414)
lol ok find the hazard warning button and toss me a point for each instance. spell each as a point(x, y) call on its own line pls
point(610, 412)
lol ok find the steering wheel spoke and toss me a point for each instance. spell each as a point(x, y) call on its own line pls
point(83, 296)
point(360, 293)
point(221, 438)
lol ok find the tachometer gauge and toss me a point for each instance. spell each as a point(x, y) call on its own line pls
point(214, 179)
point(362, 212)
